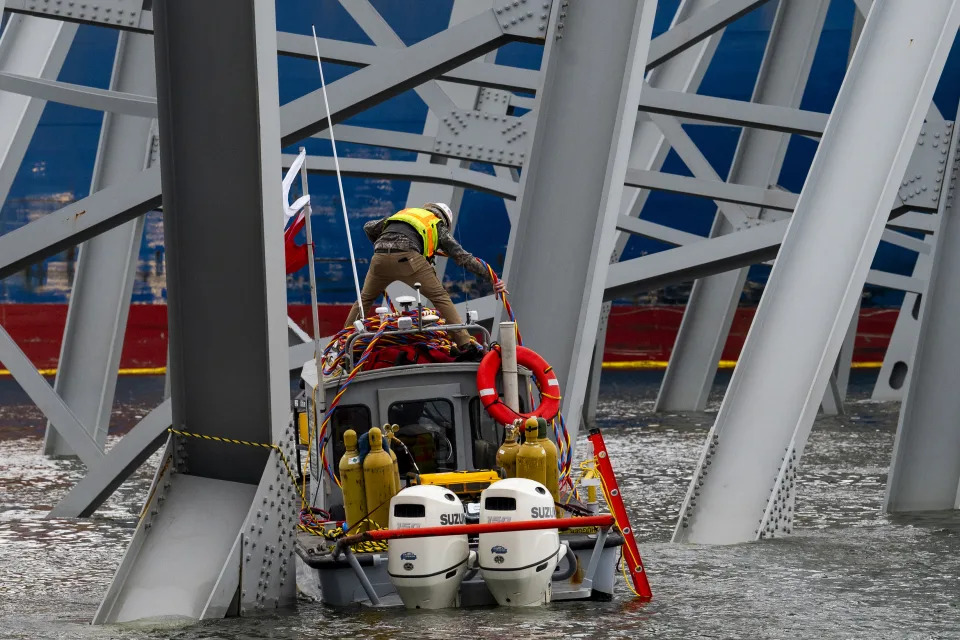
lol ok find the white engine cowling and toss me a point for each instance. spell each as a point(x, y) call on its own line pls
point(427, 571)
point(517, 566)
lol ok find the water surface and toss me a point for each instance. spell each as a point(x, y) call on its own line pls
point(848, 571)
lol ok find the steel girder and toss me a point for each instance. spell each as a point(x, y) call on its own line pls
point(186, 557)
point(33, 48)
point(894, 375)
point(572, 186)
point(722, 254)
point(925, 466)
point(80, 96)
point(743, 486)
point(52, 406)
point(757, 161)
point(106, 266)
point(123, 458)
point(368, 86)
point(648, 150)
point(79, 221)
point(420, 172)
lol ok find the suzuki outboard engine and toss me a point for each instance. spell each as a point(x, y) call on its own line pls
point(427, 571)
point(517, 566)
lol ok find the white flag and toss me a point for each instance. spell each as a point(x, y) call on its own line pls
point(290, 210)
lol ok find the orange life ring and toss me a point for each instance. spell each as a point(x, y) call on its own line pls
point(546, 381)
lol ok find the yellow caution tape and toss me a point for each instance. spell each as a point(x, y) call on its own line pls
point(246, 443)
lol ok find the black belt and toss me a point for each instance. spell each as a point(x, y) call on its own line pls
point(392, 250)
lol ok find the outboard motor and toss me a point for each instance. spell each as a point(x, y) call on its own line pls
point(427, 571)
point(517, 566)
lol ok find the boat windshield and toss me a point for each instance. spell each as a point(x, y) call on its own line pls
point(427, 429)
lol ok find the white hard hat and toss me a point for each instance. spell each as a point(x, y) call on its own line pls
point(442, 210)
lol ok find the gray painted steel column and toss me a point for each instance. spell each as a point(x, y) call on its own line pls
point(925, 466)
point(743, 485)
point(34, 47)
point(232, 380)
point(100, 300)
point(648, 150)
point(894, 376)
point(757, 162)
point(221, 192)
point(572, 185)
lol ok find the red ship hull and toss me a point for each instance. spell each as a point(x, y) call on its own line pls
point(637, 336)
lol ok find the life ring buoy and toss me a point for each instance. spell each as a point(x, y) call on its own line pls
point(546, 381)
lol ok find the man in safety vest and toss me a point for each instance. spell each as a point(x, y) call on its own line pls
point(404, 247)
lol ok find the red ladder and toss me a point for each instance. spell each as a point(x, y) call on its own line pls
point(611, 491)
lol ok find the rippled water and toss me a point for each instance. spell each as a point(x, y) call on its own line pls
point(848, 571)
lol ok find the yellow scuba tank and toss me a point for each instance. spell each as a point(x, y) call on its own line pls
point(507, 454)
point(378, 480)
point(391, 434)
point(553, 473)
point(531, 458)
point(351, 481)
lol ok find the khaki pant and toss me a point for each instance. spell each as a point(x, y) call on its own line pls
point(407, 267)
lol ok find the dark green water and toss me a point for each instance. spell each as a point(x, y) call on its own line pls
point(849, 571)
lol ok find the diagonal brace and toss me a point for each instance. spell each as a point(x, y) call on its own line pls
point(52, 406)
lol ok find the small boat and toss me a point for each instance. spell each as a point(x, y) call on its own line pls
point(442, 505)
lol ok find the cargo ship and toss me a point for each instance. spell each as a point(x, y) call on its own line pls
point(33, 303)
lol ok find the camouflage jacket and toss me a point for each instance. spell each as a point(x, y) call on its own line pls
point(411, 241)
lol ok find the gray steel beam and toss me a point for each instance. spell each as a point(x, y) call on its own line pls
point(915, 221)
point(217, 388)
point(925, 466)
point(696, 28)
point(125, 457)
point(115, 205)
point(475, 73)
point(756, 115)
point(107, 264)
point(80, 96)
point(897, 364)
point(656, 231)
point(232, 382)
point(127, 15)
point(648, 151)
point(716, 190)
point(417, 171)
point(698, 164)
point(743, 485)
point(572, 186)
point(55, 410)
point(134, 18)
point(79, 221)
point(404, 70)
point(383, 37)
point(32, 47)
point(695, 260)
point(381, 138)
point(757, 161)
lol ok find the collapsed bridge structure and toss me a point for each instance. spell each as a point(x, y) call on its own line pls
point(193, 124)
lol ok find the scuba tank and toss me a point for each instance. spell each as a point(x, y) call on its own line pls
point(378, 480)
point(351, 479)
point(553, 473)
point(391, 435)
point(507, 454)
point(531, 458)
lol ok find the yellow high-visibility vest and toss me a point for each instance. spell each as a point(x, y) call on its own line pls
point(425, 222)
